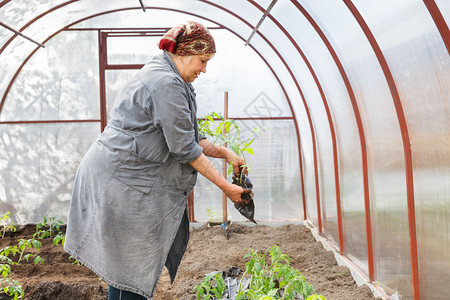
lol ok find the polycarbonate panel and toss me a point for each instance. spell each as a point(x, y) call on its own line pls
point(348, 142)
point(41, 29)
point(34, 169)
point(167, 14)
point(244, 11)
point(420, 64)
point(304, 126)
point(136, 18)
point(444, 7)
point(229, 71)
point(385, 152)
point(5, 35)
point(131, 49)
point(38, 166)
point(57, 83)
point(316, 105)
point(17, 13)
point(274, 174)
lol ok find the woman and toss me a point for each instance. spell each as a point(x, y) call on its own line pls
point(128, 214)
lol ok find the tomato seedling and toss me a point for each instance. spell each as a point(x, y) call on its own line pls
point(20, 249)
point(274, 280)
point(212, 287)
point(48, 227)
point(12, 287)
point(4, 219)
point(228, 132)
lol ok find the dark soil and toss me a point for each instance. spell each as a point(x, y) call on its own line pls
point(208, 250)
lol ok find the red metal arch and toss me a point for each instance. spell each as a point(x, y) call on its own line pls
point(311, 125)
point(362, 139)
point(406, 144)
point(34, 20)
point(443, 29)
point(439, 21)
point(330, 123)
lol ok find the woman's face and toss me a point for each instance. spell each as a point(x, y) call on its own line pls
point(191, 66)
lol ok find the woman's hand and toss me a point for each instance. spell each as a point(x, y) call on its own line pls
point(234, 193)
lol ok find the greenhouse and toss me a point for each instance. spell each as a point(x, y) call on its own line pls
point(349, 99)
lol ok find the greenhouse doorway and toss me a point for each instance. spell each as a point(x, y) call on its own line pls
point(121, 53)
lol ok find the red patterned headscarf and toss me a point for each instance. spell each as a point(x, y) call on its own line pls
point(188, 39)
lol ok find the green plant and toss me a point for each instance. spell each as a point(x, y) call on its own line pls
point(20, 249)
point(213, 216)
point(5, 269)
point(271, 278)
point(228, 132)
point(74, 261)
point(274, 280)
point(6, 227)
point(212, 287)
point(48, 227)
point(60, 237)
point(12, 288)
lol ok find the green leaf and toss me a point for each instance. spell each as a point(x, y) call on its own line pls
point(316, 297)
point(200, 293)
point(227, 126)
point(235, 148)
point(250, 150)
point(38, 260)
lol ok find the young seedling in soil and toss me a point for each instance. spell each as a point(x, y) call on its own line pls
point(10, 287)
point(74, 261)
point(20, 249)
point(215, 218)
point(60, 237)
point(13, 288)
point(274, 278)
point(48, 227)
point(6, 227)
point(271, 278)
point(212, 287)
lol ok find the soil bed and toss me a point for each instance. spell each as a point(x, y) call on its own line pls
point(208, 250)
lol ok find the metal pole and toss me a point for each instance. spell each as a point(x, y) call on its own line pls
point(20, 33)
point(266, 13)
point(142, 5)
point(224, 163)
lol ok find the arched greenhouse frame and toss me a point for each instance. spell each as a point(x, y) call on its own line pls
point(351, 96)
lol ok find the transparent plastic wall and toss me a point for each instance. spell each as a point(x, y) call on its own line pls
point(55, 89)
point(275, 181)
point(420, 63)
point(62, 85)
point(311, 63)
point(342, 119)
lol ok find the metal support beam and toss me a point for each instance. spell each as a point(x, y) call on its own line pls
point(20, 33)
point(142, 5)
point(266, 13)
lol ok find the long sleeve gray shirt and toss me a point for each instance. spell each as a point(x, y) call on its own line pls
point(127, 216)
